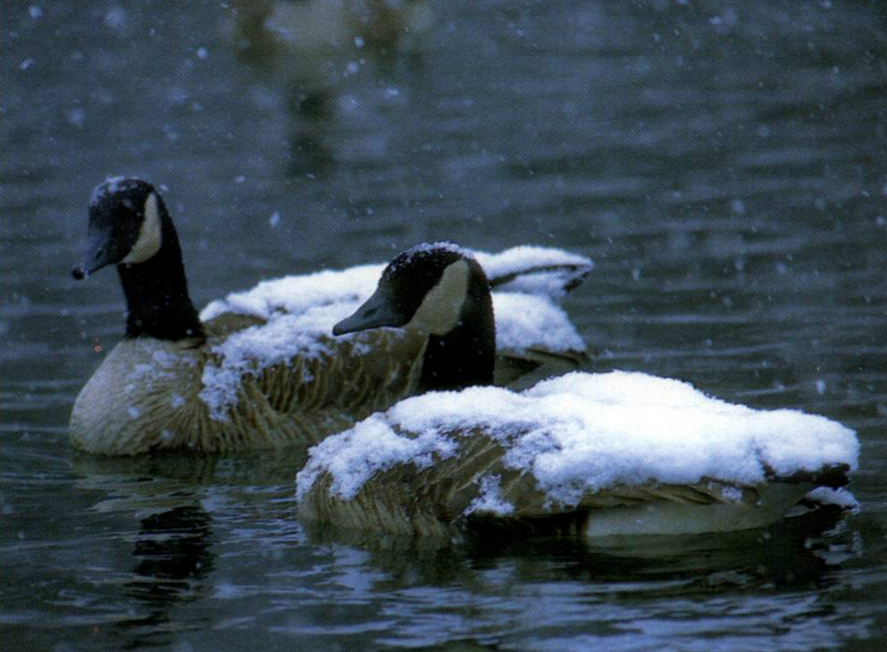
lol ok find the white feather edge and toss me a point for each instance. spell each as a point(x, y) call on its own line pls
point(150, 234)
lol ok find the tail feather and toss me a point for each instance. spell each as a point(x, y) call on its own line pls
point(535, 270)
point(521, 370)
point(833, 476)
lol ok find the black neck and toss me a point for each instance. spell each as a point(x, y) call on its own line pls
point(157, 300)
point(467, 354)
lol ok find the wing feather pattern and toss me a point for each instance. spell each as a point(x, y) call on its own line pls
point(474, 488)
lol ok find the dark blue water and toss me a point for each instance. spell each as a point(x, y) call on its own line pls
point(723, 163)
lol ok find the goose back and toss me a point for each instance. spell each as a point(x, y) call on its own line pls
point(597, 454)
point(475, 488)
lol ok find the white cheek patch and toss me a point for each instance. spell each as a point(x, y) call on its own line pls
point(149, 240)
point(440, 308)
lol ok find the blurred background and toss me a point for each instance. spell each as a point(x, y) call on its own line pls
point(724, 164)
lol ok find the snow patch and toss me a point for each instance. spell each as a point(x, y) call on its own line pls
point(298, 294)
point(838, 497)
point(525, 321)
point(357, 454)
point(556, 269)
point(490, 501)
point(582, 433)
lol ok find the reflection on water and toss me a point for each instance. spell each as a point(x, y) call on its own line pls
point(521, 595)
point(723, 163)
point(318, 50)
point(206, 549)
point(172, 555)
point(318, 588)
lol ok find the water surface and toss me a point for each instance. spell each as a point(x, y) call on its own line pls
point(724, 165)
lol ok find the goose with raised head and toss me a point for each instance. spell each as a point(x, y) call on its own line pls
point(592, 454)
point(260, 369)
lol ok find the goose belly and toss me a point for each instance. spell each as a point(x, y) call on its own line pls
point(674, 518)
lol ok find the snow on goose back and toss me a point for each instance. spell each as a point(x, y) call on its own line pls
point(295, 311)
point(623, 453)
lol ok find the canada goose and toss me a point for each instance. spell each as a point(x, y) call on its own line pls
point(259, 369)
point(596, 454)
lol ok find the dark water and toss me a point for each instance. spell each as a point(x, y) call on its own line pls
point(725, 164)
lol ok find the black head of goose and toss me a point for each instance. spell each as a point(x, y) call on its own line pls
point(440, 290)
point(130, 227)
point(153, 391)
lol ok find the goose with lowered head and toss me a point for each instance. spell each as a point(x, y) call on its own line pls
point(260, 369)
point(595, 454)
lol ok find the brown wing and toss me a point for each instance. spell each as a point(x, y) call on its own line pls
point(450, 495)
point(357, 376)
point(309, 397)
point(306, 398)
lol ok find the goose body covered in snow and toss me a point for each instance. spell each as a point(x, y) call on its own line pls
point(598, 454)
point(261, 368)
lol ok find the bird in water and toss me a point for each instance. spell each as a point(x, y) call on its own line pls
point(234, 379)
point(587, 454)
